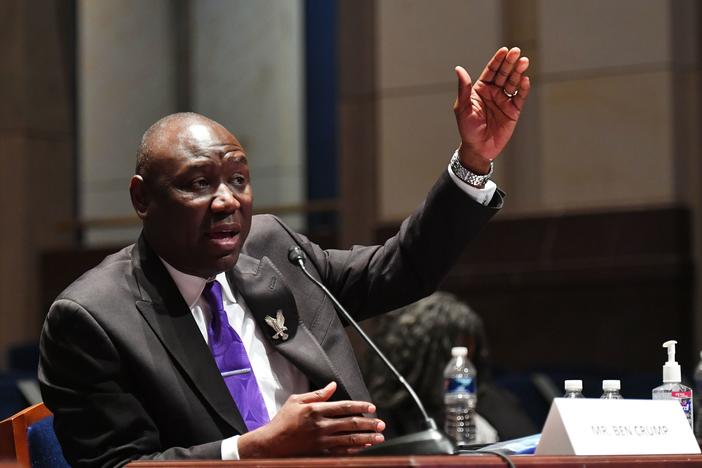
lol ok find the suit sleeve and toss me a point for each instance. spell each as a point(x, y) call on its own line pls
point(411, 264)
point(84, 383)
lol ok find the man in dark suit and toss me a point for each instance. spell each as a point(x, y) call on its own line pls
point(137, 355)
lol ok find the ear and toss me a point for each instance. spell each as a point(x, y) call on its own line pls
point(139, 195)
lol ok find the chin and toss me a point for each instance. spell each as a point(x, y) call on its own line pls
point(226, 262)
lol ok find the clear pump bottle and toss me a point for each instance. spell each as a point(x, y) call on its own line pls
point(672, 388)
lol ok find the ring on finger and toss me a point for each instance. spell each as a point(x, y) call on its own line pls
point(510, 95)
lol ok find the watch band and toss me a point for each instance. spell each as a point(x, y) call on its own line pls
point(468, 176)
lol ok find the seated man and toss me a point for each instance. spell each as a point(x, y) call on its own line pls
point(202, 340)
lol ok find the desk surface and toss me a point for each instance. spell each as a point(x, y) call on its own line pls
point(477, 461)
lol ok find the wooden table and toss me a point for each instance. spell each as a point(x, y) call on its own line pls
point(478, 461)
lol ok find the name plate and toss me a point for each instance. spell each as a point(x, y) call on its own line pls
point(588, 426)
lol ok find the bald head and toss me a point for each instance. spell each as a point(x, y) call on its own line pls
point(168, 134)
point(193, 194)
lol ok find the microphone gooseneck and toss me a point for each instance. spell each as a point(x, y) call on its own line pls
point(430, 441)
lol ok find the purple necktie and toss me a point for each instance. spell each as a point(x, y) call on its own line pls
point(233, 362)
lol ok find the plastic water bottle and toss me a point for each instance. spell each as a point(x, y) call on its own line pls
point(573, 389)
point(698, 398)
point(460, 398)
point(610, 390)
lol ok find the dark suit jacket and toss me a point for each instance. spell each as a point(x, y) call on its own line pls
point(127, 374)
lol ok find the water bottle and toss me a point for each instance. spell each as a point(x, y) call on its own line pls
point(573, 389)
point(698, 398)
point(610, 390)
point(460, 398)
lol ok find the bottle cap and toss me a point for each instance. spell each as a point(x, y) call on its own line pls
point(671, 369)
point(459, 351)
point(573, 385)
point(611, 385)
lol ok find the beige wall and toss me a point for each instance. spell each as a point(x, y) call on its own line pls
point(599, 130)
point(36, 156)
point(247, 72)
point(606, 109)
point(418, 45)
point(613, 121)
point(126, 81)
point(128, 64)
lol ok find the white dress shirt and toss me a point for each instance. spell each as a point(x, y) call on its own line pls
point(481, 195)
point(277, 377)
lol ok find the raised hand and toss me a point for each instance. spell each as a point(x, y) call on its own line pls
point(309, 424)
point(487, 111)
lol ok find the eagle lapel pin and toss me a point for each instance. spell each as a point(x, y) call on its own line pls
point(278, 325)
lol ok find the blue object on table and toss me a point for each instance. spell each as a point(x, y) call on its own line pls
point(522, 446)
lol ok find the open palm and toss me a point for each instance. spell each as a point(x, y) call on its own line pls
point(485, 113)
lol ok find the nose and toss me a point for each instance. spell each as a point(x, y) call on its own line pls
point(224, 200)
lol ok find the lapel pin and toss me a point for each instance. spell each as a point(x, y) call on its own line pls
point(278, 325)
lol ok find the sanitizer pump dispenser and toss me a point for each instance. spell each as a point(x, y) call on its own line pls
point(672, 388)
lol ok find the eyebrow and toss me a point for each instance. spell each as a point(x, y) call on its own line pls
point(240, 159)
point(203, 157)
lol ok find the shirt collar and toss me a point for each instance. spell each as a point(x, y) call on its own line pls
point(191, 287)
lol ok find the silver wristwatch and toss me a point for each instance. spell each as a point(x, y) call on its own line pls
point(466, 175)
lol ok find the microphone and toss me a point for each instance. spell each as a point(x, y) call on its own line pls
point(430, 441)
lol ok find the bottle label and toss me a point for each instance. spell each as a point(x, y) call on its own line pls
point(687, 394)
point(460, 385)
point(685, 399)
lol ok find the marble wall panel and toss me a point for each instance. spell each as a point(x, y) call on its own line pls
point(49, 67)
point(49, 191)
point(248, 74)
point(36, 155)
point(126, 83)
point(606, 146)
point(111, 203)
point(420, 42)
point(357, 121)
point(584, 35)
point(418, 45)
point(417, 138)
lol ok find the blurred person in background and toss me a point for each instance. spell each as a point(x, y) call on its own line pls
point(418, 339)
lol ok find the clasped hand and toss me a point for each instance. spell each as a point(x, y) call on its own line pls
point(309, 424)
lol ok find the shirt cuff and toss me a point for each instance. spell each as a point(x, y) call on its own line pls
point(230, 448)
point(480, 195)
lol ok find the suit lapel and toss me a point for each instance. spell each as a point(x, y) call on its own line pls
point(166, 312)
point(265, 293)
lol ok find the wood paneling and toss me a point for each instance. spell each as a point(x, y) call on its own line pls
point(583, 291)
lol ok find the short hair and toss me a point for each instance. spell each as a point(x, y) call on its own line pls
point(153, 134)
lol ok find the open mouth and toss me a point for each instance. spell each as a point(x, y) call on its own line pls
point(225, 238)
point(222, 234)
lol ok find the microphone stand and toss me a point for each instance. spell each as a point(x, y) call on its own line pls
point(430, 441)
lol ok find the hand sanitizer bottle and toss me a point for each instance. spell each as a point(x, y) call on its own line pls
point(672, 388)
